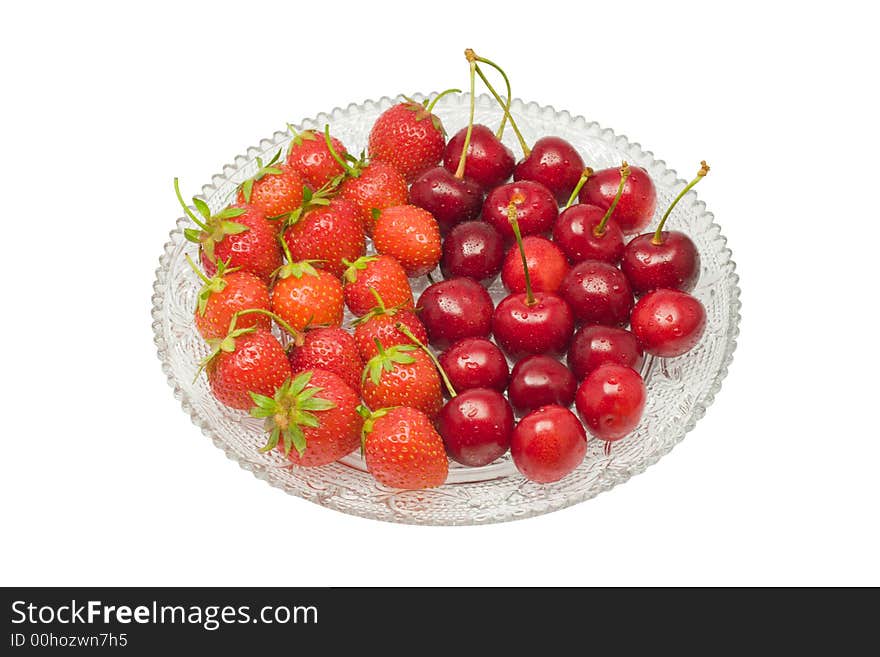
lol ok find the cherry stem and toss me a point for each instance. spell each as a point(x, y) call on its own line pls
point(189, 213)
point(403, 328)
point(505, 106)
point(599, 231)
point(297, 336)
point(658, 234)
point(585, 176)
point(472, 56)
point(514, 224)
point(462, 160)
point(341, 161)
point(198, 271)
point(430, 106)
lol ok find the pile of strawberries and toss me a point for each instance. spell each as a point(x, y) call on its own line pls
point(291, 252)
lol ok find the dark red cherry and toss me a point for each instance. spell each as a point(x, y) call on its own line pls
point(668, 323)
point(536, 209)
point(476, 426)
point(473, 249)
point(454, 309)
point(610, 401)
point(548, 444)
point(597, 345)
point(598, 293)
point(451, 200)
point(546, 263)
point(488, 162)
point(475, 363)
point(554, 163)
point(576, 234)
point(637, 202)
point(540, 380)
point(542, 326)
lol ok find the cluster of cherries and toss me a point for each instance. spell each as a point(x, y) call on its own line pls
point(587, 275)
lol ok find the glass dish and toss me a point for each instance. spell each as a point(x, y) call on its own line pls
point(679, 389)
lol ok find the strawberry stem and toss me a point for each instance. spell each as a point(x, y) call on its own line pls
point(189, 213)
point(459, 172)
point(599, 231)
point(505, 106)
point(205, 279)
point(296, 335)
point(658, 234)
point(351, 171)
point(585, 176)
point(514, 224)
point(403, 328)
point(430, 106)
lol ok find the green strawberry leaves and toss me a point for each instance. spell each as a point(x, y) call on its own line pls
point(214, 227)
point(351, 273)
point(386, 360)
point(217, 283)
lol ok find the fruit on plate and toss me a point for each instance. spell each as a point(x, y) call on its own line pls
point(596, 345)
point(370, 275)
point(598, 293)
point(454, 309)
point(309, 156)
point(668, 323)
point(536, 209)
point(548, 444)
point(331, 349)
point(545, 261)
point(410, 235)
point(664, 258)
point(610, 401)
point(226, 293)
point(401, 375)
point(312, 418)
point(637, 202)
point(276, 189)
point(475, 363)
point(473, 249)
point(402, 449)
point(329, 235)
point(409, 137)
point(539, 381)
point(304, 296)
point(380, 324)
point(241, 237)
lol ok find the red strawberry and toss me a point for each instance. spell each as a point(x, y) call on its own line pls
point(384, 275)
point(246, 360)
point(304, 296)
point(331, 349)
point(379, 324)
point(411, 236)
point(276, 189)
point(375, 187)
point(403, 450)
point(241, 237)
point(408, 137)
point(228, 292)
point(309, 156)
point(402, 375)
point(330, 233)
point(312, 418)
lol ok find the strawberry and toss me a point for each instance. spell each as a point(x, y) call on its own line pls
point(403, 450)
point(402, 375)
point(330, 233)
point(331, 349)
point(379, 273)
point(411, 236)
point(408, 137)
point(304, 296)
point(312, 418)
point(241, 237)
point(276, 189)
point(309, 156)
point(226, 293)
point(379, 324)
point(376, 186)
point(246, 360)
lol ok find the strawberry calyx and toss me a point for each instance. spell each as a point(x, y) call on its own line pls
point(212, 228)
point(378, 310)
point(293, 407)
point(318, 198)
point(370, 418)
point(352, 268)
point(247, 187)
point(225, 344)
point(386, 360)
point(352, 166)
point(216, 283)
point(300, 137)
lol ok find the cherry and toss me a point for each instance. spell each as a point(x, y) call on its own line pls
point(584, 231)
point(610, 401)
point(664, 258)
point(454, 309)
point(529, 322)
point(488, 163)
point(475, 425)
point(668, 323)
point(637, 202)
point(536, 209)
point(548, 444)
point(538, 381)
point(597, 345)
point(475, 363)
point(554, 163)
point(473, 249)
point(546, 263)
point(598, 293)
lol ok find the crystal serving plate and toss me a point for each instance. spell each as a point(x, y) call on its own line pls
point(679, 389)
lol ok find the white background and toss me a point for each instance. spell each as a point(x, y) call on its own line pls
point(106, 482)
